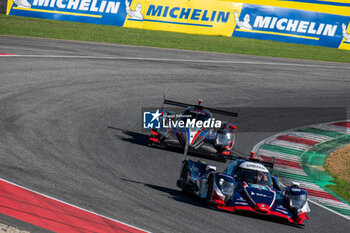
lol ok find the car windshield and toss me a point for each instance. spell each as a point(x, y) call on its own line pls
point(254, 176)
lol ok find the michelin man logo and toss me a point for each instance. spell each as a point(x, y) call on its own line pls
point(136, 14)
point(243, 24)
point(346, 35)
point(22, 3)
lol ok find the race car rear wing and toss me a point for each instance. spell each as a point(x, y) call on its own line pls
point(213, 110)
point(267, 161)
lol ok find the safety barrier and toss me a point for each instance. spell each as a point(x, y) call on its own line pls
point(299, 21)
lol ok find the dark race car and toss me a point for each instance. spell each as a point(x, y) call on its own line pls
point(244, 185)
point(205, 137)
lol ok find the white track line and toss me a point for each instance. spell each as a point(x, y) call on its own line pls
point(278, 155)
point(290, 145)
point(346, 217)
point(287, 169)
point(333, 203)
point(176, 60)
point(308, 136)
point(73, 205)
point(334, 128)
point(303, 184)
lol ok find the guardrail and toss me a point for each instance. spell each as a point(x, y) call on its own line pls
point(294, 22)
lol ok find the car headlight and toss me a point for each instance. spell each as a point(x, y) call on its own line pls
point(227, 188)
point(297, 201)
point(223, 138)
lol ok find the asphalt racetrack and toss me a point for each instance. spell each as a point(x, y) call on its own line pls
point(70, 123)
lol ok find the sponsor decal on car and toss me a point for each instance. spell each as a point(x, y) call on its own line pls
point(260, 187)
point(282, 211)
point(240, 203)
point(253, 166)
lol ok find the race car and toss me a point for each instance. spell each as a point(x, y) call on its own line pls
point(244, 185)
point(196, 127)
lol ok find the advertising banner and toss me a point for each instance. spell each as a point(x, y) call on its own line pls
point(212, 17)
point(195, 16)
point(108, 12)
point(294, 26)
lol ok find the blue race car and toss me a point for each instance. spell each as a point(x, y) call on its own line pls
point(246, 184)
point(206, 139)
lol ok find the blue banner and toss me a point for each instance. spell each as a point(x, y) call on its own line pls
point(109, 12)
point(289, 25)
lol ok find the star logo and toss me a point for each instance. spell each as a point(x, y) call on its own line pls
point(151, 120)
point(156, 115)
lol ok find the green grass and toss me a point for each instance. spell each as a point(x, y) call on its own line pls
point(23, 26)
point(341, 188)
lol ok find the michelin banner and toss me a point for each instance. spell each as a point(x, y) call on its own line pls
point(211, 17)
point(294, 26)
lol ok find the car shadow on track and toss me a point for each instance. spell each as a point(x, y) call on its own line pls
point(140, 139)
point(132, 137)
point(175, 194)
point(191, 199)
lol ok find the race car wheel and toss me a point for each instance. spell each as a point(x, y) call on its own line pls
point(183, 178)
point(209, 192)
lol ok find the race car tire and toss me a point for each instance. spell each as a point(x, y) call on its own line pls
point(183, 178)
point(209, 192)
